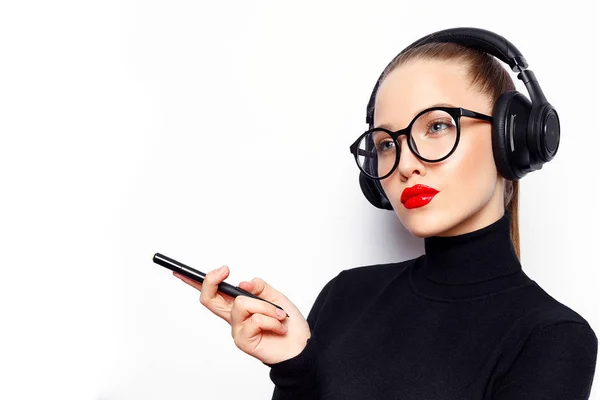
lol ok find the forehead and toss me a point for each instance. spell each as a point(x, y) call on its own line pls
point(420, 84)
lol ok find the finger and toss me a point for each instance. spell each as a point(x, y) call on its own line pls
point(253, 326)
point(247, 286)
point(189, 281)
point(211, 282)
point(220, 303)
point(209, 297)
point(244, 307)
point(262, 289)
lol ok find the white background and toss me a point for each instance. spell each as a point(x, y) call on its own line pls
point(217, 133)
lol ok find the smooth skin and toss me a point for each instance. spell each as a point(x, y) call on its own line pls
point(471, 196)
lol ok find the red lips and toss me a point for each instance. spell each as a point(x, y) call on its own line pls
point(417, 196)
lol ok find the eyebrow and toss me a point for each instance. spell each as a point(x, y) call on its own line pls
point(391, 127)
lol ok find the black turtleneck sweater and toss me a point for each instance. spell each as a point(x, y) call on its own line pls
point(462, 321)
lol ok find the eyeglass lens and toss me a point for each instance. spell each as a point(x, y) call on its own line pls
point(432, 135)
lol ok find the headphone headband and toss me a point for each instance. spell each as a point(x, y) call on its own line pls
point(477, 39)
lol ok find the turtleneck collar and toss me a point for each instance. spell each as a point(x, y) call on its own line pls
point(477, 256)
point(473, 264)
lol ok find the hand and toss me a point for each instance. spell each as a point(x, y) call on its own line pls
point(256, 327)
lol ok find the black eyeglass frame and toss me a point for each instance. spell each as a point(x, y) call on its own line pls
point(455, 113)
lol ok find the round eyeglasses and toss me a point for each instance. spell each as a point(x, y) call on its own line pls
point(432, 136)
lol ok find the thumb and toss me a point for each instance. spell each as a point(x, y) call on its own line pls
point(259, 287)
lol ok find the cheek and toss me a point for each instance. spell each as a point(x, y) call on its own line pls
point(469, 173)
point(391, 186)
point(471, 169)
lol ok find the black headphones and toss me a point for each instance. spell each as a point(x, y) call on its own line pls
point(525, 133)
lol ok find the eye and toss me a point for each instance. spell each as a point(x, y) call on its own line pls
point(437, 127)
point(385, 146)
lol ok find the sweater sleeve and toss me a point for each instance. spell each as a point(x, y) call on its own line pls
point(295, 378)
point(556, 362)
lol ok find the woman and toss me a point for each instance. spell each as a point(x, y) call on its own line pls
point(463, 321)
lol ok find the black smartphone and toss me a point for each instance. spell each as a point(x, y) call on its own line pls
point(198, 276)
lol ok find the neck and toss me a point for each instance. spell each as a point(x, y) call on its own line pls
point(475, 263)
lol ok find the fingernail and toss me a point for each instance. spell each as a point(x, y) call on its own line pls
point(222, 269)
point(280, 312)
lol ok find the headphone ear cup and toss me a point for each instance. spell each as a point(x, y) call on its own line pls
point(509, 134)
point(544, 134)
point(373, 192)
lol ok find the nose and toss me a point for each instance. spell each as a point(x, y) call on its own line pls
point(409, 163)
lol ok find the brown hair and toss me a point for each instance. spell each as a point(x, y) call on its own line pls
point(490, 77)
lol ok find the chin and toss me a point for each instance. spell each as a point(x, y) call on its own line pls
point(424, 222)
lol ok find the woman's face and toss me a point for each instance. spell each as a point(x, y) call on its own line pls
point(471, 191)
